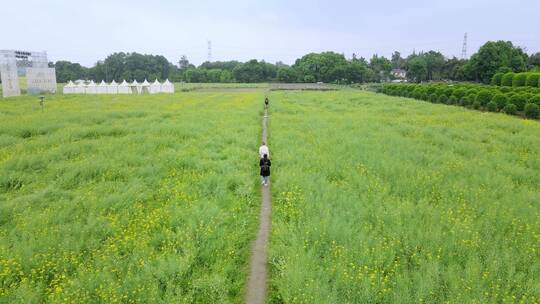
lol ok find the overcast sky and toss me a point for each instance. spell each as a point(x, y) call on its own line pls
point(87, 31)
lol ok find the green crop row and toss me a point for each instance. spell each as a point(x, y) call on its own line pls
point(511, 79)
point(513, 101)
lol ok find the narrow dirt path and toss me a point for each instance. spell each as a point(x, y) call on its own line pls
point(256, 285)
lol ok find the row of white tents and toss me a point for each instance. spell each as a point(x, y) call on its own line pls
point(122, 88)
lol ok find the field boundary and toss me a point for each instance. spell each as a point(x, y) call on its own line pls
point(258, 273)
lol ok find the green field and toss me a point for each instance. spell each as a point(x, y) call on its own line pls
point(124, 199)
point(376, 199)
point(388, 200)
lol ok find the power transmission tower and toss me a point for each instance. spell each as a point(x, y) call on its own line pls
point(209, 51)
point(464, 49)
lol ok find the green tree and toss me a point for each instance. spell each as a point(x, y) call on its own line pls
point(492, 56)
point(397, 61)
point(66, 71)
point(417, 69)
point(287, 74)
point(534, 60)
point(325, 67)
point(381, 67)
point(434, 64)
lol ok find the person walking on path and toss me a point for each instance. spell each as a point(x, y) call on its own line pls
point(265, 164)
point(266, 102)
point(263, 149)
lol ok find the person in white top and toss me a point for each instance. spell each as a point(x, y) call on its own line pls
point(264, 150)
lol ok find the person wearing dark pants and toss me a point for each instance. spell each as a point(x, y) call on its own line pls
point(265, 164)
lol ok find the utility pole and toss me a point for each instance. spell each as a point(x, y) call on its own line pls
point(464, 49)
point(209, 59)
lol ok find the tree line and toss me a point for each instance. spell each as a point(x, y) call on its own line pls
point(329, 67)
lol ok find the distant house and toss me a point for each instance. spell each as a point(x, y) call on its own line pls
point(399, 73)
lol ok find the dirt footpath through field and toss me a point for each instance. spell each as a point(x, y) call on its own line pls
point(256, 285)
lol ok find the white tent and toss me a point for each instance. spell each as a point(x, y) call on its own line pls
point(135, 87)
point(102, 88)
point(69, 88)
point(80, 88)
point(167, 87)
point(145, 87)
point(112, 88)
point(91, 88)
point(123, 88)
point(155, 87)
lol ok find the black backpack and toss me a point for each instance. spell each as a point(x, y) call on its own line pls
point(265, 167)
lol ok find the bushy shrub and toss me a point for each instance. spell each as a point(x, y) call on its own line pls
point(468, 100)
point(433, 98)
point(459, 93)
point(477, 105)
point(442, 99)
point(472, 91)
point(532, 110)
point(510, 108)
point(430, 90)
point(519, 101)
point(533, 79)
point(452, 100)
point(500, 100)
point(439, 90)
point(507, 79)
point(484, 97)
point(492, 106)
point(519, 80)
point(535, 99)
point(505, 89)
point(496, 80)
point(448, 91)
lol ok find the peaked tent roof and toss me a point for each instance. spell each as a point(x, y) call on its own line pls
point(113, 82)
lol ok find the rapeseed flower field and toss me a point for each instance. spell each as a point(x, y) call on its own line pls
point(383, 199)
point(127, 199)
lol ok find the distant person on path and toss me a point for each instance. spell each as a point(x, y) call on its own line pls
point(264, 150)
point(265, 164)
point(266, 102)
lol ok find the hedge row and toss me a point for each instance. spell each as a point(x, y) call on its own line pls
point(516, 79)
point(494, 99)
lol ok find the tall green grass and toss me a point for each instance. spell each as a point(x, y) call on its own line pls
point(127, 199)
point(381, 199)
